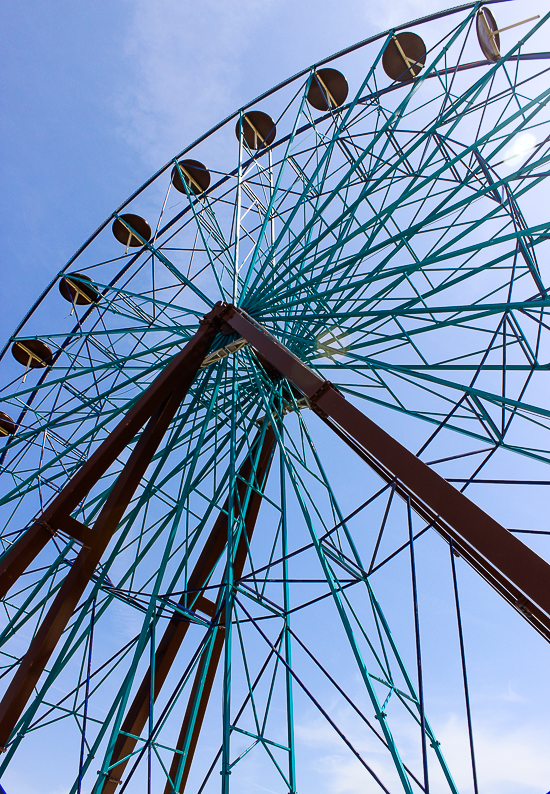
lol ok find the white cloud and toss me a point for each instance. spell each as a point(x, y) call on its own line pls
point(348, 776)
point(510, 758)
point(186, 59)
point(193, 64)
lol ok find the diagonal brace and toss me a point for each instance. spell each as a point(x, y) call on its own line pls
point(511, 567)
point(176, 630)
point(158, 405)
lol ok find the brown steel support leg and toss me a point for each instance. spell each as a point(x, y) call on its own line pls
point(61, 610)
point(14, 562)
point(511, 567)
point(192, 721)
point(174, 634)
point(194, 713)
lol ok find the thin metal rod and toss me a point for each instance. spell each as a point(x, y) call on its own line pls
point(418, 652)
point(287, 632)
point(151, 705)
point(509, 27)
point(464, 674)
point(86, 699)
point(232, 517)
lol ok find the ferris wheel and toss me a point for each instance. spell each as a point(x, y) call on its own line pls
point(267, 410)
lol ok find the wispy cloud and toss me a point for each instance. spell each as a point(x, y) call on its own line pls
point(510, 758)
point(187, 60)
point(190, 65)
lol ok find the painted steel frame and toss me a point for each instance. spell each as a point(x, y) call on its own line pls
point(516, 572)
point(482, 542)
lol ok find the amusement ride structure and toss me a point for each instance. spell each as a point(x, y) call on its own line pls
point(246, 432)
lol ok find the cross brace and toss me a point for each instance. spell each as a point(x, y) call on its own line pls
point(174, 634)
point(511, 567)
point(516, 572)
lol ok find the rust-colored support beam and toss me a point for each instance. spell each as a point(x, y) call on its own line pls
point(511, 567)
point(158, 405)
point(193, 719)
point(174, 634)
point(57, 515)
point(194, 714)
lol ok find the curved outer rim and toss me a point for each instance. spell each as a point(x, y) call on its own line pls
point(273, 90)
point(212, 131)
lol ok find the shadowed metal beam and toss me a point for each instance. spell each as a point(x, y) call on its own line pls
point(511, 567)
point(174, 634)
point(157, 406)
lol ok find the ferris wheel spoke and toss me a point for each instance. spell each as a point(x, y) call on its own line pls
point(468, 251)
point(492, 398)
point(333, 193)
point(387, 243)
point(393, 206)
point(176, 630)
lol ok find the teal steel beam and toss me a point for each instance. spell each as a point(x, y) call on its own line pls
point(515, 571)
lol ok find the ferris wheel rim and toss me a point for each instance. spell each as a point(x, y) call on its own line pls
point(235, 114)
point(110, 590)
